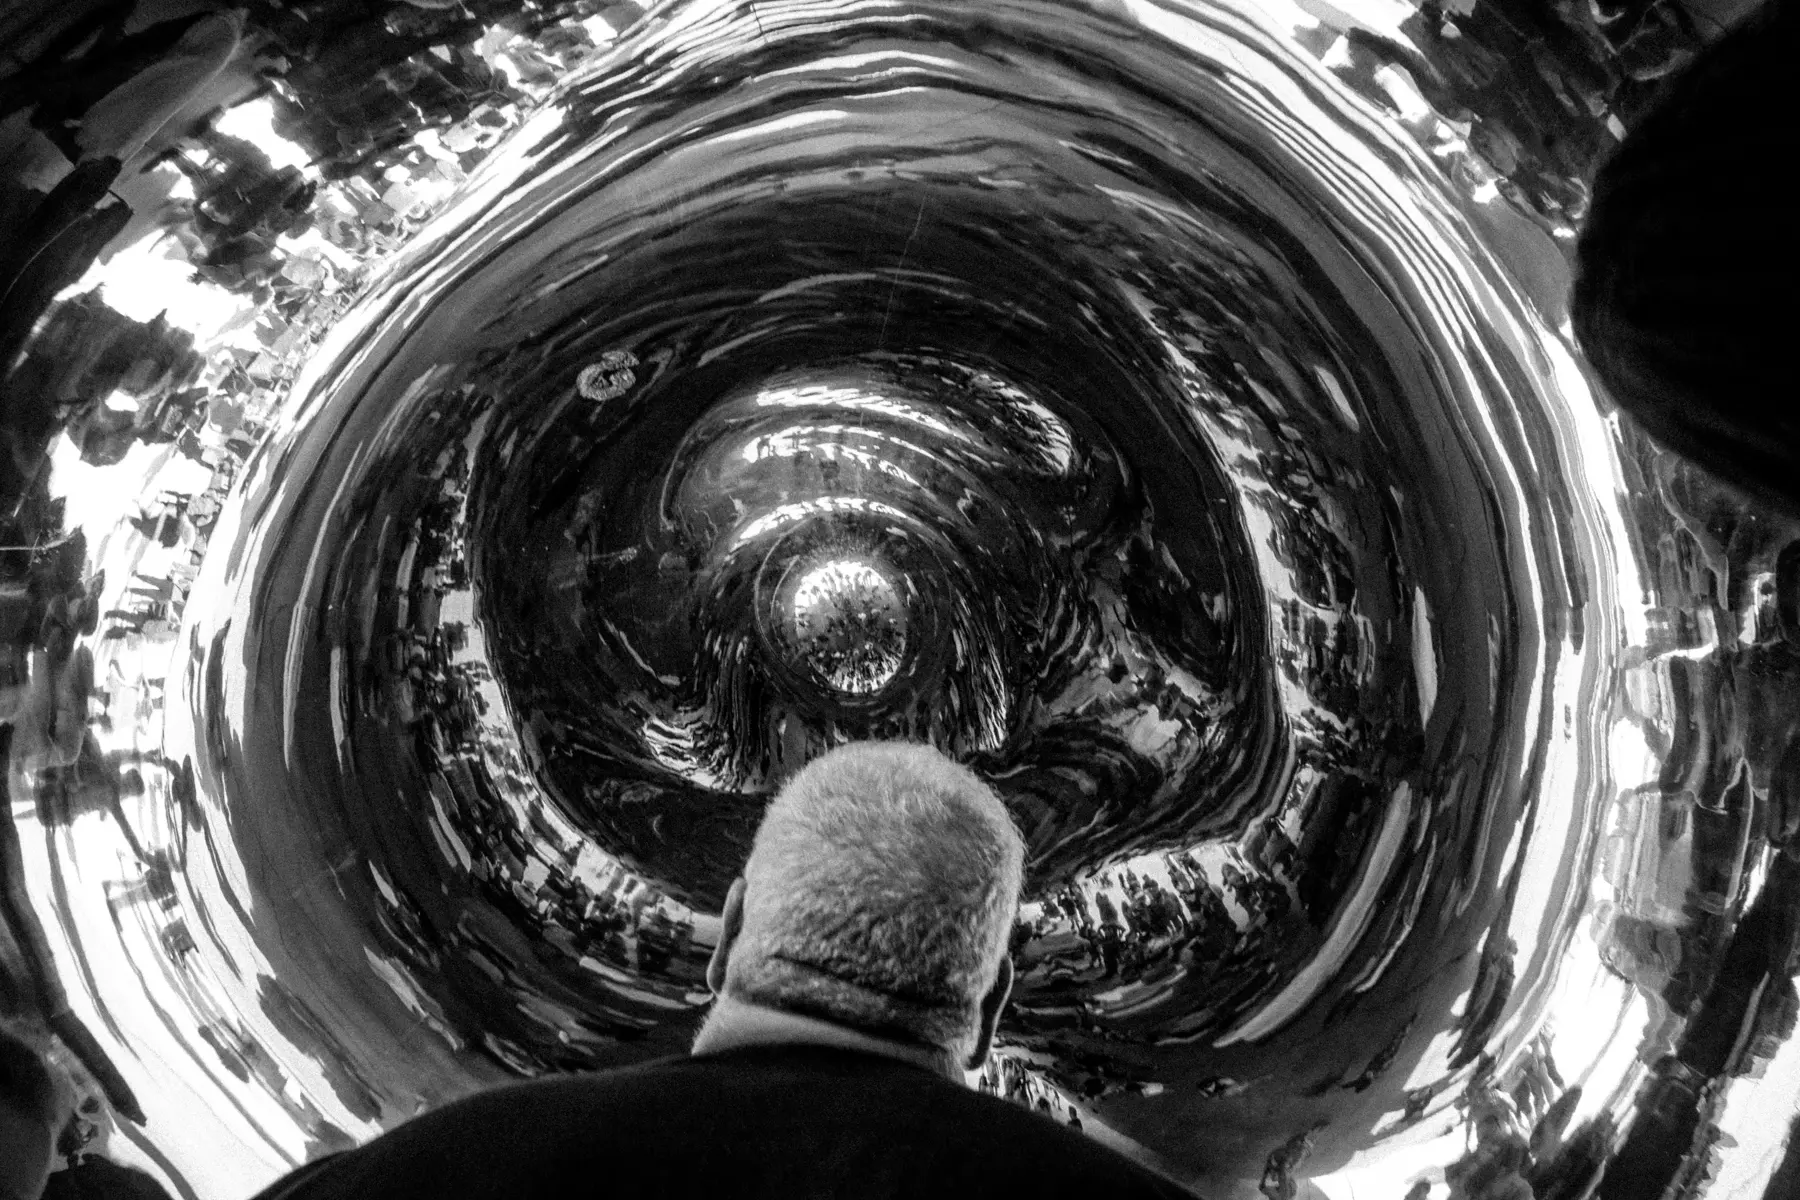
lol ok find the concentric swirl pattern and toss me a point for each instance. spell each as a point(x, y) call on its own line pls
point(1214, 475)
point(1103, 392)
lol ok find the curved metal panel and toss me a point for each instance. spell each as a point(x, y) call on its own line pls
point(464, 457)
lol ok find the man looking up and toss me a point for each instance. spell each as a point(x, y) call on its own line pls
point(861, 969)
point(873, 914)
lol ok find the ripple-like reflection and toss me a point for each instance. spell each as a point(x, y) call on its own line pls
point(1111, 394)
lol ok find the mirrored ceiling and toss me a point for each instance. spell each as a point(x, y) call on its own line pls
point(462, 455)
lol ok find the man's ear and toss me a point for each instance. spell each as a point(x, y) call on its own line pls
point(731, 923)
point(992, 1005)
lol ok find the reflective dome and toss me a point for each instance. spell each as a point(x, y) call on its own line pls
point(844, 621)
point(465, 457)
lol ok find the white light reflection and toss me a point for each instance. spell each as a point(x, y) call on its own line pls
point(853, 400)
point(143, 282)
point(788, 514)
point(801, 442)
point(254, 122)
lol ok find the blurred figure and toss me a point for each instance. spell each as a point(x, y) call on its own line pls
point(97, 1178)
point(48, 1141)
point(120, 123)
point(1685, 264)
point(861, 969)
point(30, 1115)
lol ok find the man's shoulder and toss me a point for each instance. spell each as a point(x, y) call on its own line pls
point(772, 1114)
point(1036, 1145)
point(943, 1122)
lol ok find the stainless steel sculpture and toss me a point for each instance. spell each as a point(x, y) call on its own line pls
point(1165, 405)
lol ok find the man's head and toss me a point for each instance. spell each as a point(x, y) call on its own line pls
point(28, 1120)
point(879, 896)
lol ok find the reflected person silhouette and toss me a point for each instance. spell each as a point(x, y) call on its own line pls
point(861, 969)
point(1679, 306)
point(29, 1118)
point(48, 1141)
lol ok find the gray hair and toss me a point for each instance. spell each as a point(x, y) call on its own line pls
point(881, 893)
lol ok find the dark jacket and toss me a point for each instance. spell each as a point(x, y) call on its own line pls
point(761, 1123)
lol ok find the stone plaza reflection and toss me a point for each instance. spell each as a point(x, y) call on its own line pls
point(440, 508)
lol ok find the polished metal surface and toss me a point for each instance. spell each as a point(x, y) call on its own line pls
point(450, 490)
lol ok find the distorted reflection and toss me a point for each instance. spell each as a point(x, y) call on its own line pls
point(461, 459)
point(849, 624)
